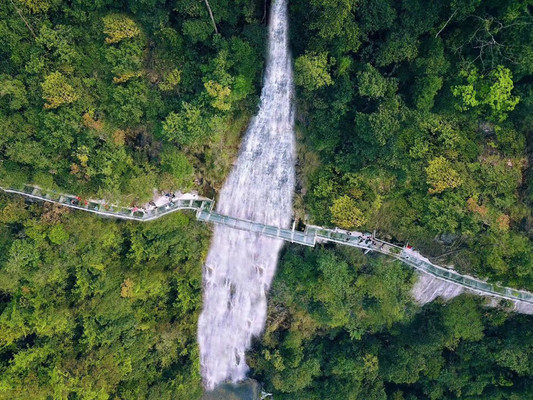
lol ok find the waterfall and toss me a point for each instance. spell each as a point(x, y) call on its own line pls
point(240, 265)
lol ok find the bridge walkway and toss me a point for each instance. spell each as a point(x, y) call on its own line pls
point(186, 202)
point(368, 242)
point(312, 234)
point(288, 235)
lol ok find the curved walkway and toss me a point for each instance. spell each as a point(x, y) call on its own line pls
point(185, 201)
point(312, 234)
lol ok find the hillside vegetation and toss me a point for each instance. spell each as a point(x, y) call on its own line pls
point(413, 118)
point(115, 98)
point(416, 120)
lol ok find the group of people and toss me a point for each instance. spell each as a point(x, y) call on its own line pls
point(365, 238)
point(151, 205)
point(170, 197)
point(79, 201)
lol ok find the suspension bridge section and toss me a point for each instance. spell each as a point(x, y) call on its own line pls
point(309, 237)
point(369, 243)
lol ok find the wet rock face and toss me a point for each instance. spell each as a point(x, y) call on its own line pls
point(240, 265)
point(448, 238)
point(486, 128)
point(428, 288)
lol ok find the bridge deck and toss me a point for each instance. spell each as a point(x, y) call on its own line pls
point(108, 210)
point(262, 229)
point(312, 234)
point(367, 242)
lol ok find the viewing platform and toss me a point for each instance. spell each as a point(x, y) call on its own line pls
point(309, 237)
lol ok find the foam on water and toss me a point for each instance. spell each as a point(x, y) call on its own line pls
point(240, 265)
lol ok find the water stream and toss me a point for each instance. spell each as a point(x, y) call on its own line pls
point(240, 265)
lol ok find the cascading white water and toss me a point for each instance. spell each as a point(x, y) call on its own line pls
point(240, 265)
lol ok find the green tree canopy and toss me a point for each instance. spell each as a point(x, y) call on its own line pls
point(118, 27)
point(57, 91)
point(489, 94)
point(372, 84)
point(345, 213)
point(441, 175)
point(186, 127)
point(311, 71)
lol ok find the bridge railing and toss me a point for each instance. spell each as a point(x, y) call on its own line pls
point(465, 280)
point(370, 243)
point(111, 210)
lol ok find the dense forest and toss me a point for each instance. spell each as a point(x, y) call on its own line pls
point(343, 326)
point(92, 309)
point(413, 119)
point(112, 98)
point(95, 309)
